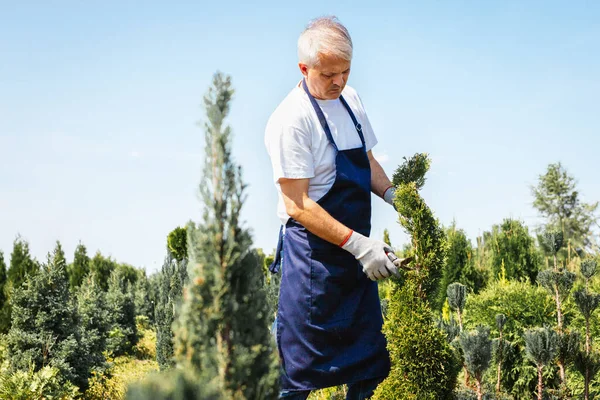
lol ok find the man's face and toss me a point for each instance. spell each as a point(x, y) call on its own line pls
point(327, 80)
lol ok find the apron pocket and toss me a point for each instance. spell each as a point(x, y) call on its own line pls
point(333, 287)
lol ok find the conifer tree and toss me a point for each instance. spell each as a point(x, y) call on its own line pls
point(172, 279)
point(221, 333)
point(123, 333)
point(44, 324)
point(80, 266)
point(21, 263)
point(541, 347)
point(477, 348)
point(102, 268)
point(141, 295)
point(4, 314)
point(424, 366)
point(94, 317)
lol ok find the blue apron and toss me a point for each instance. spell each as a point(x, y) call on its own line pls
point(329, 317)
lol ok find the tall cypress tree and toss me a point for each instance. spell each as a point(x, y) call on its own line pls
point(4, 310)
point(123, 333)
point(423, 364)
point(172, 278)
point(221, 333)
point(80, 266)
point(21, 263)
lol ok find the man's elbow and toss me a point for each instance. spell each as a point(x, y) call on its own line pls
point(294, 209)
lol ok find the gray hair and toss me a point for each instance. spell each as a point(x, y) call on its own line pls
point(324, 35)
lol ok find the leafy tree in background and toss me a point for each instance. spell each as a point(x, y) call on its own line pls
point(44, 327)
point(541, 347)
point(172, 279)
point(221, 334)
point(177, 243)
point(424, 366)
point(80, 266)
point(142, 295)
point(123, 333)
point(557, 199)
point(21, 263)
point(514, 251)
point(460, 265)
point(102, 267)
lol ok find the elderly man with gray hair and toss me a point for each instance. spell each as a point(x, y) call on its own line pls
point(319, 139)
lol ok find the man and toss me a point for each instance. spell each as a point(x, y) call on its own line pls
point(319, 139)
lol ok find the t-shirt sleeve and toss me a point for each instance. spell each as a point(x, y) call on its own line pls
point(289, 147)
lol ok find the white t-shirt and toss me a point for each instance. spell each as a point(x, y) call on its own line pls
point(298, 145)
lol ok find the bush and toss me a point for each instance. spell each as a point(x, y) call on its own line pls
point(46, 383)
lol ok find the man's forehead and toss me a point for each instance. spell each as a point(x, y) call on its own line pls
point(329, 63)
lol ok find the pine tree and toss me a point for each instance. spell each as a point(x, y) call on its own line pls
point(172, 279)
point(221, 332)
point(557, 199)
point(541, 347)
point(4, 311)
point(21, 263)
point(477, 348)
point(424, 366)
point(102, 268)
point(44, 324)
point(141, 294)
point(123, 333)
point(80, 266)
point(94, 318)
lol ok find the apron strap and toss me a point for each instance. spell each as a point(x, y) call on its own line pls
point(276, 264)
point(357, 125)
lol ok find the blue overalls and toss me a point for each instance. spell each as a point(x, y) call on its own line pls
point(329, 318)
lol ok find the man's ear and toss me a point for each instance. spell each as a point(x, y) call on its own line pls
point(303, 69)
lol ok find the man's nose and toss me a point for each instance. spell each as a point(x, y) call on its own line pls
point(338, 80)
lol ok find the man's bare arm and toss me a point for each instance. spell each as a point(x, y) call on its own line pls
point(379, 180)
point(310, 214)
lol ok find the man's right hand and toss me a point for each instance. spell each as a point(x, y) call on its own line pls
point(372, 254)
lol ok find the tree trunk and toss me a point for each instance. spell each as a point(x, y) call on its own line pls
point(540, 388)
point(586, 388)
point(558, 311)
point(587, 336)
point(561, 369)
point(499, 363)
point(479, 393)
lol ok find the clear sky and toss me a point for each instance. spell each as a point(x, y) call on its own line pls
point(100, 101)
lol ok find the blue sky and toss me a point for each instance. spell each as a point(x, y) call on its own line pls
point(99, 106)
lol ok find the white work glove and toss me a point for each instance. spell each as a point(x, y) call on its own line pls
point(389, 195)
point(372, 255)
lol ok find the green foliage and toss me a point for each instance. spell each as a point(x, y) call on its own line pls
point(122, 335)
point(94, 320)
point(172, 385)
point(557, 199)
point(172, 279)
point(33, 383)
point(541, 345)
point(44, 327)
point(424, 366)
point(80, 266)
point(588, 268)
point(113, 382)
point(586, 302)
point(226, 288)
point(552, 281)
point(477, 349)
point(511, 251)
point(386, 237)
point(552, 241)
point(4, 305)
point(142, 295)
point(21, 263)
point(177, 243)
point(459, 265)
point(457, 296)
point(102, 267)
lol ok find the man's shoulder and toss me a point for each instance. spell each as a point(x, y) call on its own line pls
point(292, 110)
